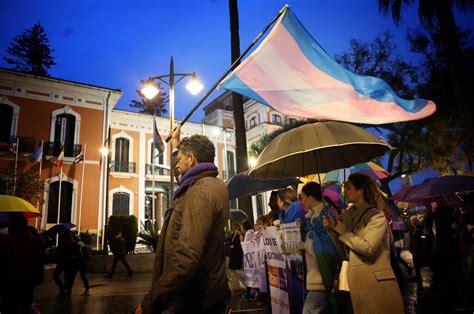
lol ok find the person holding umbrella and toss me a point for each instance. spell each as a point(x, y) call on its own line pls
point(68, 262)
point(364, 231)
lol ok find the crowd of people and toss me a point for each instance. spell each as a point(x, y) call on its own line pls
point(362, 235)
point(190, 271)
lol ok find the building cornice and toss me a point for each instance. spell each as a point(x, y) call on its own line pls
point(54, 90)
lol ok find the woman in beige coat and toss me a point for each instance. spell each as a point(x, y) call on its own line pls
point(363, 230)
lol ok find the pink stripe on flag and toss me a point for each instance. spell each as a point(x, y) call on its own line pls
point(338, 101)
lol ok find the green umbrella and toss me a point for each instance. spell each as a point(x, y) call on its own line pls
point(317, 148)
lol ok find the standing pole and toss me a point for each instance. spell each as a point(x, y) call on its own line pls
point(171, 84)
point(152, 218)
point(39, 180)
point(59, 199)
point(16, 166)
point(226, 164)
point(106, 195)
point(82, 191)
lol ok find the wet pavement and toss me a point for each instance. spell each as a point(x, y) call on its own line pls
point(121, 294)
point(117, 295)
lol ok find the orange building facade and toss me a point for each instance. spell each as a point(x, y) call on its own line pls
point(79, 118)
point(139, 179)
point(61, 115)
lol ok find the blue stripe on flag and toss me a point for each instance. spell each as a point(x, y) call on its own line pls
point(369, 86)
point(237, 85)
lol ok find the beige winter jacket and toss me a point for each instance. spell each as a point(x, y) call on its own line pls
point(372, 283)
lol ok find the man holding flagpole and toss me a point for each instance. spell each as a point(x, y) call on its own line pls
point(190, 269)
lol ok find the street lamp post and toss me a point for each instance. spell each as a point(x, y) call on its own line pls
point(106, 155)
point(151, 91)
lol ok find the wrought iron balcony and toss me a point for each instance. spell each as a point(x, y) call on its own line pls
point(54, 149)
point(159, 170)
point(26, 145)
point(120, 166)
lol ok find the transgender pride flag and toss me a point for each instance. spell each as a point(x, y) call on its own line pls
point(292, 73)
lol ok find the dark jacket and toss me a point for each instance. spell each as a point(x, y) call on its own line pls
point(119, 247)
point(190, 270)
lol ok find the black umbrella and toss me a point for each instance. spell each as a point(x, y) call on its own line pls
point(242, 184)
point(238, 215)
point(59, 228)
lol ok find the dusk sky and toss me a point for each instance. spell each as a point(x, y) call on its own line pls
point(115, 43)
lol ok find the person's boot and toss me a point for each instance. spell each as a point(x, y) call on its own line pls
point(109, 276)
point(130, 274)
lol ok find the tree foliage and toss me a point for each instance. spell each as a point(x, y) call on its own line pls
point(155, 106)
point(28, 184)
point(149, 236)
point(30, 51)
point(256, 148)
point(379, 59)
point(449, 143)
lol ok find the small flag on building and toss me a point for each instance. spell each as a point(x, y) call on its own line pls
point(14, 147)
point(59, 161)
point(7, 147)
point(78, 158)
point(157, 140)
point(38, 154)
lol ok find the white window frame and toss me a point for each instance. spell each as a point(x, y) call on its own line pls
point(130, 146)
point(121, 189)
point(77, 127)
point(47, 185)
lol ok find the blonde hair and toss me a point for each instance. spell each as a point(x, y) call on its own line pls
point(287, 195)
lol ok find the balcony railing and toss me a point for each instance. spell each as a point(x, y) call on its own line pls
point(120, 166)
point(26, 145)
point(54, 149)
point(159, 170)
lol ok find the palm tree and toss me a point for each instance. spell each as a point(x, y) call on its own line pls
point(238, 107)
point(440, 11)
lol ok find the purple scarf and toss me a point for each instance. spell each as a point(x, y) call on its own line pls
point(190, 176)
